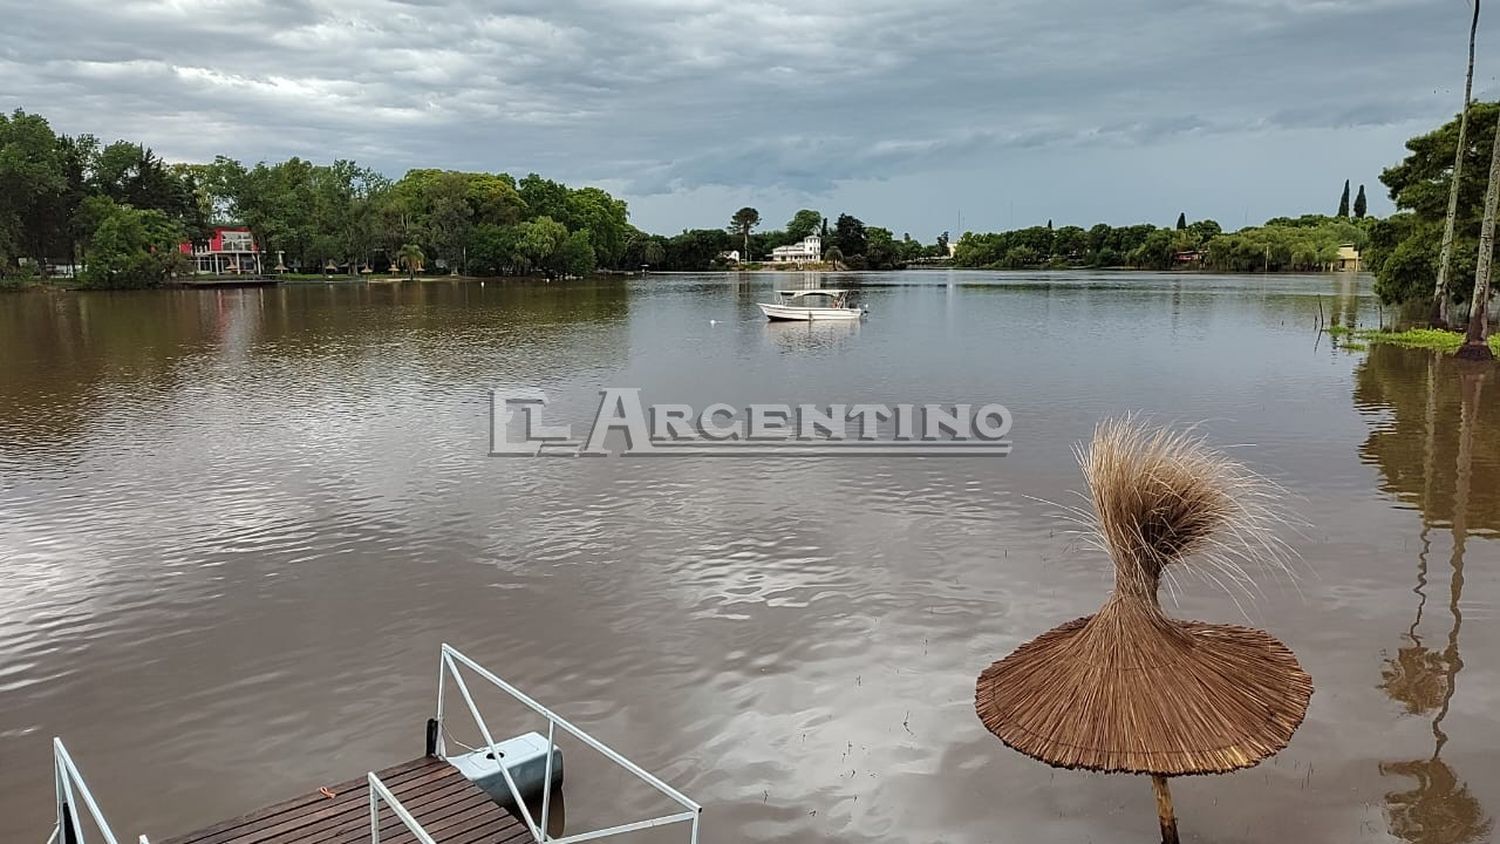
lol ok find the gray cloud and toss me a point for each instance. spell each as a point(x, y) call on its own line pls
point(791, 101)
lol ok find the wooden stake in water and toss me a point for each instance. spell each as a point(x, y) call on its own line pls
point(1164, 811)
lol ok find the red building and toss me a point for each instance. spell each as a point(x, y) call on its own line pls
point(230, 251)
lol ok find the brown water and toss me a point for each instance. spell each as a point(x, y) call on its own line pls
point(235, 527)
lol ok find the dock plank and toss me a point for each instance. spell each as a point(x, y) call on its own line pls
point(447, 805)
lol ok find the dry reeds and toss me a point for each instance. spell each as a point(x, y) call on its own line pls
point(1130, 689)
point(1160, 497)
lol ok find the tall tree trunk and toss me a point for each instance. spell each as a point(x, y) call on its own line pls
point(1475, 347)
point(1440, 305)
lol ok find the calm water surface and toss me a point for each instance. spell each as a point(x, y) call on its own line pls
point(235, 527)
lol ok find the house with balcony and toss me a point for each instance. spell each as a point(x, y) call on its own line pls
point(808, 251)
point(231, 250)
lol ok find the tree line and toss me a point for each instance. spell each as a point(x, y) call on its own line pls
point(847, 243)
point(117, 213)
point(1307, 243)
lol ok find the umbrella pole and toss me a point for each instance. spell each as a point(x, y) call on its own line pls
point(1164, 811)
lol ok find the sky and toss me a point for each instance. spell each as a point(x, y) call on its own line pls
point(922, 115)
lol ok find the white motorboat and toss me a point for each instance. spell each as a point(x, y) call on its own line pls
point(834, 304)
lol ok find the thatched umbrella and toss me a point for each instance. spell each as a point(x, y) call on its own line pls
point(1129, 689)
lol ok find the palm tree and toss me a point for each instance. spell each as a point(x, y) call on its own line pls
point(1440, 305)
point(743, 221)
point(1475, 346)
point(410, 256)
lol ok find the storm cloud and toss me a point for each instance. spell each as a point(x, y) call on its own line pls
point(906, 113)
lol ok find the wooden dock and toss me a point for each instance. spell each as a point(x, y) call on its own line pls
point(432, 794)
point(449, 807)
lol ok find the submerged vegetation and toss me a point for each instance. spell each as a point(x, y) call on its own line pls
point(1412, 338)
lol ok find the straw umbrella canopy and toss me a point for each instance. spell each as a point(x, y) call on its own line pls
point(1130, 689)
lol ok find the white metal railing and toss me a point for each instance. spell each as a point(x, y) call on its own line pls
point(71, 787)
point(379, 792)
point(450, 660)
point(72, 791)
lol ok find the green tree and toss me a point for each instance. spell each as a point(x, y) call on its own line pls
point(541, 240)
point(1344, 201)
point(803, 224)
point(606, 220)
point(131, 247)
point(696, 249)
point(741, 223)
point(1156, 252)
point(1422, 184)
point(1020, 257)
point(131, 174)
point(1204, 230)
point(32, 184)
point(1360, 206)
point(1070, 243)
point(496, 250)
point(494, 200)
point(849, 236)
point(544, 198)
point(410, 258)
point(575, 255)
point(653, 253)
point(881, 249)
point(1181, 220)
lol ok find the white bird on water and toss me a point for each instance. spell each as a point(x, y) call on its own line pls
point(713, 322)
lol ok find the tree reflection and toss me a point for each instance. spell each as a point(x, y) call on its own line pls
point(1438, 808)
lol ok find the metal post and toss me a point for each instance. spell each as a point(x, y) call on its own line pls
point(71, 834)
point(57, 784)
point(70, 827)
point(374, 817)
point(489, 742)
point(442, 681)
point(699, 816)
point(547, 779)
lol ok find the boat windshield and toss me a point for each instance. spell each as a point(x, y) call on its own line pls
point(795, 297)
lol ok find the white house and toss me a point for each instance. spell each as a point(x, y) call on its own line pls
point(810, 249)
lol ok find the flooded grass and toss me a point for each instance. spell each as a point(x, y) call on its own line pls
point(1412, 338)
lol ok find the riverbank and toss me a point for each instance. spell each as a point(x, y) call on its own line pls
point(20, 285)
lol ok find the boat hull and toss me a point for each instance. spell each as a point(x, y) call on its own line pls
point(778, 313)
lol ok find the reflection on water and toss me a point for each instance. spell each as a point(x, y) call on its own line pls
point(1439, 808)
point(813, 335)
point(236, 525)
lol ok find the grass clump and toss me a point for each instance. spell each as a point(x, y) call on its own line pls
point(1422, 338)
